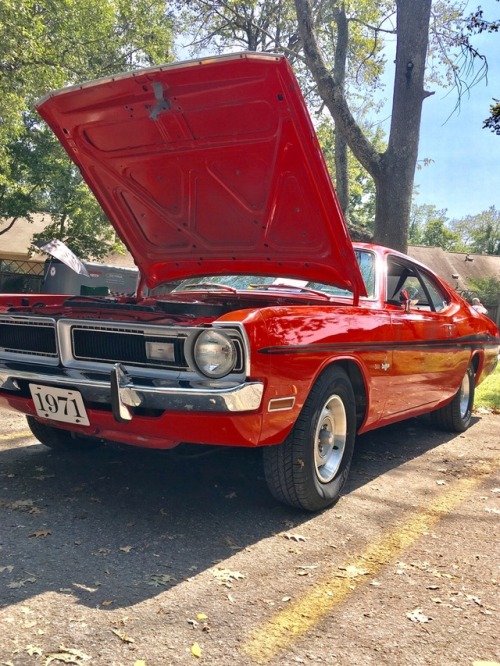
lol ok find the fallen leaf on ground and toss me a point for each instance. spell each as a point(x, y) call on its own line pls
point(416, 615)
point(353, 572)
point(40, 533)
point(159, 580)
point(196, 650)
point(102, 551)
point(295, 537)
point(86, 588)
point(476, 600)
point(23, 505)
point(305, 570)
point(122, 636)
point(226, 576)
point(231, 543)
point(21, 583)
point(67, 656)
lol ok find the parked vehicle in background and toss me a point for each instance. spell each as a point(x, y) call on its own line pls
point(256, 322)
point(103, 279)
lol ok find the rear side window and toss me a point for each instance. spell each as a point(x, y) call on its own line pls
point(424, 292)
point(438, 298)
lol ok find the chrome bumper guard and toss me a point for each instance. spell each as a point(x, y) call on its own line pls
point(125, 391)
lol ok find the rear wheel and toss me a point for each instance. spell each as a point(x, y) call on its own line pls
point(309, 469)
point(59, 439)
point(457, 414)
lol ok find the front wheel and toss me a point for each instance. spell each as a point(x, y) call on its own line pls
point(457, 414)
point(59, 439)
point(309, 469)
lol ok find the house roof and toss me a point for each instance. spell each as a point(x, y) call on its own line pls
point(15, 243)
point(448, 264)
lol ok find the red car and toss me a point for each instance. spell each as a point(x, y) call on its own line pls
point(256, 321)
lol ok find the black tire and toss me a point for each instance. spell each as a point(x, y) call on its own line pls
point(59, 439)
point(309, 469)
point(457, 414)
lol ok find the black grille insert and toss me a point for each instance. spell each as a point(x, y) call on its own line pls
point(127, 347)
point(28, 338)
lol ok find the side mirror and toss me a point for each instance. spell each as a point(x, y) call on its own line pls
point(404, 299)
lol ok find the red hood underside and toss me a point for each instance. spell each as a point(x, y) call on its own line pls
point(209, 167)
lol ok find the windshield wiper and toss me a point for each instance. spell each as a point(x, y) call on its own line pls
point(290, 288)
point(209, 285)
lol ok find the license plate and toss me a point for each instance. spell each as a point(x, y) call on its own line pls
point(59, 404)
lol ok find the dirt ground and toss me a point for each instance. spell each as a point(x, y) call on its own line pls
point(123, 557)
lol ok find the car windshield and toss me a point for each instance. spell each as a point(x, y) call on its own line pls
point(231, 283)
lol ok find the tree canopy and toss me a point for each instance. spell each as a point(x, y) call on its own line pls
point(478, 234)
point(48, 45)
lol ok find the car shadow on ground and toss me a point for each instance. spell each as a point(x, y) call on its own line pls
point(135, 522)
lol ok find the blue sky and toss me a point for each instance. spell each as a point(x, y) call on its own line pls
point(464, 176)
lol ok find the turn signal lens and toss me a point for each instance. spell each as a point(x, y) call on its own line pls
point(214, 354)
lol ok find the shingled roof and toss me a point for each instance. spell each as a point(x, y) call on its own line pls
point(448, 264)
point(16, 242)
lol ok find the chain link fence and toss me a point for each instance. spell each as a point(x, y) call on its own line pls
point(21, 277)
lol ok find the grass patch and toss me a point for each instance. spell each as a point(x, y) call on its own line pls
point(488, 393)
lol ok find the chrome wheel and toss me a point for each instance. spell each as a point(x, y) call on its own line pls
point(465, 396)
point(330, 439)
point(456, 416)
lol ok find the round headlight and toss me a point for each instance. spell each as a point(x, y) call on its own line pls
point(214, 354)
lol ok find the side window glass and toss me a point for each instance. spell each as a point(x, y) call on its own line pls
point(415, 291)
point(438, 299)
point(367, 267)
point(402, 276)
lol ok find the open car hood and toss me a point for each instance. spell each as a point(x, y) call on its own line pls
point(209, 167)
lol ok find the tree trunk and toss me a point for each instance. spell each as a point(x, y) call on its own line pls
point(395, 181)
point(339, 73)
point(341, 174)
point(394, 170)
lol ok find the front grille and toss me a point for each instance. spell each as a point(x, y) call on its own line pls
point(127, 347)
point(93, 345)
point(28, 338)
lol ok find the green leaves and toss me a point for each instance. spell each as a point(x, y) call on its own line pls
point(45, 46)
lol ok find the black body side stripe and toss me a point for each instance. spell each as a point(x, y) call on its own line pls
point(472, 342)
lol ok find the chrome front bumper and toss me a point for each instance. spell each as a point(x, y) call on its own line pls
point(125, 390)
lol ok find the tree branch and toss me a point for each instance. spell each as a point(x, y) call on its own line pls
point(332, 93)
